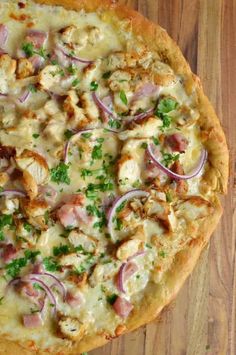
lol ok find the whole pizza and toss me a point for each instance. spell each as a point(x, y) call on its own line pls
point(111, 163)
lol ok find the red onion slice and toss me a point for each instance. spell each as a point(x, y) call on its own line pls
point(3, 35)
point(102, 106)
point(25, 96)
point(128, 196)
point(126, 271)
point(73, 57)
point(46, 289)
point(173, 175)
point(13, 193)
point(139, 253)
point(57, 282)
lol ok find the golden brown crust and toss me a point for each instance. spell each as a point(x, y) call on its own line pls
point(159, 295)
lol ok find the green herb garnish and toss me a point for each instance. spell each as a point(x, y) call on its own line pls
point(59, 174)
point(123, 97)
point(93, 86)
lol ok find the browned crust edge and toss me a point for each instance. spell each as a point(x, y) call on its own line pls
point(157, 296)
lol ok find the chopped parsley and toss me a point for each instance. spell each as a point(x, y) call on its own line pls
point(155, 141)
point(14, 267)
point(93, 86)
point(123, 97)
point(121, 207)
point(5, 220)
point(32, 88)
point(75, 82)
point(165, 106)
point(27, 227)
point(144, 145)
point(169, 158)
point(35, 135)
point(86, 135)
point(168, 197)
point(1, 299)
point(51, 264)
point(28, 48)
point(86, 172)
point(72, 69)
point(162, 254)
point(59, 174)
point(118, 224)
point(68, 134)
point(97, 152)
point(114, 123)
point(61, 250)
point(112, 298)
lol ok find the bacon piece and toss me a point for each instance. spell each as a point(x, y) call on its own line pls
point(9, 252)
point(48, 193)
point(7, 152)
point(38, 38)
point(32, 320)
point(177, 142)
point(122, 307)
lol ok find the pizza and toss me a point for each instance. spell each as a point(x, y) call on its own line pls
point(112, 162)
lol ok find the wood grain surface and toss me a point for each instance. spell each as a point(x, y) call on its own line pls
point(202, 320)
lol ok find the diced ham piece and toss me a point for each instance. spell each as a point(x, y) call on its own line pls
point(32, 320)
point(71, 214)
point(38, 38)
point(122, 307)
point(3, 35)
point(67, 216)
point(177, 142)
point(130, 269)
point(9, 253)
point(152, 171)
point(38, 269)
point(147, 89)
point(74, 300)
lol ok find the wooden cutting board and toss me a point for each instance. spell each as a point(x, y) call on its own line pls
point(202, 319)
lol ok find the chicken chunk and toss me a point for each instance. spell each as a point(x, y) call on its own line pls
point(7, 72)
point(129, 172)
point(119, 80)
point(35, 164)
point(90, 108)
point(73, 259)
point(71, 328)
point(24, 68)
point(55, 128)
point(128, 248)
point(35, 211)
point(79, 239)
point(193, 208)
point(103, 272)
point(148, 127)
point(50, 77)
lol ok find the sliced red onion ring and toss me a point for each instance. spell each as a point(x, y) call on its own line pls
point(145, 114)
point(46, 289)
point(3, 35)
point(126, 271)
point(73, 57)
point(173, 175)
point(102, 106)
point(3, 95)
point(128, 196)
point(13, 193)
point(58, 283)
point(25, 96)
point(139, 253)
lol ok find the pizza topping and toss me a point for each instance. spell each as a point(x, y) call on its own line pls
point(32, 320)
point(3, 35)
point(122, 307)
point(9, 253)
point(177, 142)
point(170, 173)
point(125, 272)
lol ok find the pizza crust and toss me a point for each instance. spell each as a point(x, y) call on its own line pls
point(157, 296)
